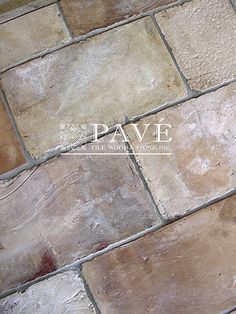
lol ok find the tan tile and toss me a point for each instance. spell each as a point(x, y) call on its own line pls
point(97, 81)
point(202, 162)
point(8, 5)
point(66, 209)
point(10, 152)
point(187, 267)
point(63, 293)
point(202, 36)
point(31, 33)
point(86, 15)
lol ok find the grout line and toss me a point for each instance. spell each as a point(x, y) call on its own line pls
point(89, 293)
point(64, 19)
point(56, 152)
point(14, 126)
point(91, 34)
point(142, 178)
point(228, 311)
point(77, 265)
point(233, 3)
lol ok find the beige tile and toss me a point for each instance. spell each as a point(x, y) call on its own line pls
point(86, 15)
point(187, 267)
point(68, 208)
point(202, 36)
point(97, 81)
point(31, 33)
point(63, 293)
point(202, 162)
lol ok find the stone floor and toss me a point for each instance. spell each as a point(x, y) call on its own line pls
point(117, 233)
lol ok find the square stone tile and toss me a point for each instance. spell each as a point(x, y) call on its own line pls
point(68, 208)
point(63, 293)
point(186, 267)
point(31, 33)
point(97, 81)
point(10, 153)
point(84, 16)
point(202, 160)
point(202, 36)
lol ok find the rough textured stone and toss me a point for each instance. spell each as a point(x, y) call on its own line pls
point(63, 293)
point(86, 15)
point(97, 81)
point(187, 267)
point(10, 153)
point(202, 36)
point(202, 162)
point(30, 34)
point(66, 209)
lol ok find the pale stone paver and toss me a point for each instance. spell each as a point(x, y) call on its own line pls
point(186, 267)
point(68, 208)
point(126, 71)
point(31, 33)
point(202, 162)
point(63, 293)
point(202, 36)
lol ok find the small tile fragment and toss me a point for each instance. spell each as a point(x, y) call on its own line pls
point(68, 208)
point(63, 293)
point(10, 153)
point(97, 81)
point(202, 36)
point(31, 33)
point(186, 267)
point(84, 16)
point(202, 160)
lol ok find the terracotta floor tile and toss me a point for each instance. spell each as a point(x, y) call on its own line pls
point(63, 293)
point(202, 36)
point(10, 153)
point(97, 81)
point(202, 162)
point(68, 208)
point(31, 33)
point(86, 15)
point(187, 267)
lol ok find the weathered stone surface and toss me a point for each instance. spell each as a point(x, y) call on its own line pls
point(10, 153)
point(203, 38)
point(63, 293)
point(187, 267)
point(97, 81)
point(30, 34)
point(8, 5)
point(86, 15)
point(66, 209)
point(202, 162)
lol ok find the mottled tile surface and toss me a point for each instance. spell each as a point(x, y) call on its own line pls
point(66, 209)
point(10, 153)
point(63, 293)
point(187, 267)
point(31, 33)
point(86, 15)
point(97, 81)
point(203, 38)
point(202, 162)
point(8, 5)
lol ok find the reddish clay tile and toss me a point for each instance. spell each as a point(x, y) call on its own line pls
point(86, 15)
point(10, 153)
point(186, 267)
point(68, 208)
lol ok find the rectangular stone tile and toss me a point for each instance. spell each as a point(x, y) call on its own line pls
point(68, 208)
point(10, 152)
point(97, 81)
point(63, 293)
point(84, 16)
point(31, 33)
point(186, 267)
point(202, 159)
point(202, 36)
